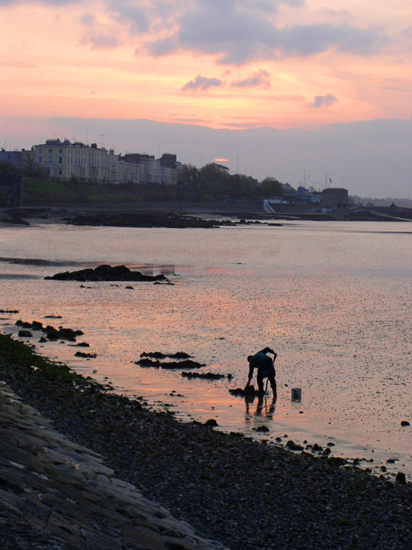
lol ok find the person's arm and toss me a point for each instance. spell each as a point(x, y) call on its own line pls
point(269, 350)
point(250, 375)
point(251, 369)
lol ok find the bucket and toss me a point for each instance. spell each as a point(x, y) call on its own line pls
point(296, 394)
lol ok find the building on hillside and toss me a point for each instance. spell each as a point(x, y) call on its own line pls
point(163, 170)
point(335, 198)
point(88, 163)
point(93, 164)
point(306, 196)
point(13, 158)
point(21, 160)
point(123, 171)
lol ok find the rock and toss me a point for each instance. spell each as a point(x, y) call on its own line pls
point(336, 461)
point(204, 376)
point(106, 273)
point(86, 355)
point(160, 355)
point(61, 333)
point(23, 324)
point(211, 422)
point(400, 478)
point(405, 423)
point(186, 364)
point(142, 219)
point(293, 446)
point(261, 429)
point(25, 334)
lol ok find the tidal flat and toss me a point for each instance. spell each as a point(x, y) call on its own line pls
point(332, 298)
point(243, 493)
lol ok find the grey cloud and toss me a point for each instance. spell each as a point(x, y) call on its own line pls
point(56, 3)
point(137, 17)
point(202, 83)
point(236, 35)
point(323, 101)
point(100, 41)
point(261, 78)
point(87, 19)
point(162, 47)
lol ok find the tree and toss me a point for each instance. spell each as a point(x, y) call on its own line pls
point(271, 187)
point(30, 168)
point(214, 172)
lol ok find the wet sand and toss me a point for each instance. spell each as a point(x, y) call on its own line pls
point(242, 493)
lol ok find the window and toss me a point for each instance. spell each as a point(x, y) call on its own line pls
point(60, 150)
point(50, 151)
point(40, 160)
point(60, 160)
point(60, 171)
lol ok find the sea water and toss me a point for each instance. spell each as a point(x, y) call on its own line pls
point(333, 299)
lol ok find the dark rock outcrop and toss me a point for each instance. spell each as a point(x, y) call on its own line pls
point(106, 273)
point(52, 333)
point(142, 219)
point(160, 355)
point(185, 364)
point(204, 376)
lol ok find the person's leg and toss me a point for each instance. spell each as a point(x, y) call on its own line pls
point(260, 380)
point(273, 384)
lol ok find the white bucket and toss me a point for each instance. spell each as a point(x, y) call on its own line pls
point(296, 394)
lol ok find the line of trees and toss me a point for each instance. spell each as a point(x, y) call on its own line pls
point(213, 182)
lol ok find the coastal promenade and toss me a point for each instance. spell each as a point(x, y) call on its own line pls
point(82, 467)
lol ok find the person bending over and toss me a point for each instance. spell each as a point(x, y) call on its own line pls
point(265, 369)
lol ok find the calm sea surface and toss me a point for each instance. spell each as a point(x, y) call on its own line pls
point(332, 298)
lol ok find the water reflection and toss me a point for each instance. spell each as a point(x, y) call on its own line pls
point(37, 262)
point(265, 407)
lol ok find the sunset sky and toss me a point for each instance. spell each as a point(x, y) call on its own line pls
point(220, 64)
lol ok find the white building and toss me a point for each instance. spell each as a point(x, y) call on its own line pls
point(88, 163)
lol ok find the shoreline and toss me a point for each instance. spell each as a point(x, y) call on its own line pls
point(242, 493)
point(194, 214)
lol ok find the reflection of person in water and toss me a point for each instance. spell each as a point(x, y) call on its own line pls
point(268, 409)
point(265, 369)
point(263, 408)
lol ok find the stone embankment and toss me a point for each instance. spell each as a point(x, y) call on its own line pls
point(56, 494)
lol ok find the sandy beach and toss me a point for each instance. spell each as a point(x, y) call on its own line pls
point(241, 493)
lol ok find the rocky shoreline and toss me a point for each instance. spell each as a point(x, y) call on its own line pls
point(242, 493)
